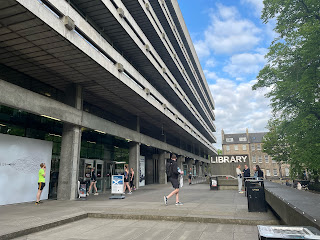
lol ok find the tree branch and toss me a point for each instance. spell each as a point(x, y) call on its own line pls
point(308, 11)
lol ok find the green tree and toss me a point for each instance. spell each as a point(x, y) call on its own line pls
point(292, 74)
point(219, 151)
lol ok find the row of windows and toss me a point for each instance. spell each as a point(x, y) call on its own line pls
point(266, 158)
point(241, 139)
point(275, 172)
point(244, 147)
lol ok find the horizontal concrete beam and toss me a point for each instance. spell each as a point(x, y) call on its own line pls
point(26, 100)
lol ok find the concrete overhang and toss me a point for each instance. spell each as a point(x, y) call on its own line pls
point(51, 53)
point(128, 37)
point(171, 26)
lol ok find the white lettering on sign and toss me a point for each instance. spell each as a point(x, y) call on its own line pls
point(230, 159)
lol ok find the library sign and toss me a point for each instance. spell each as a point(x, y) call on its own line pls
point(230, 159)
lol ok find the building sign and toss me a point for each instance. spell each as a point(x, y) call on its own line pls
point(20, 160)
point(230, 159)
point(117, 184)
point(142, 171)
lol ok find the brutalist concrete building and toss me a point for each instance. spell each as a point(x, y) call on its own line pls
point(107, 83)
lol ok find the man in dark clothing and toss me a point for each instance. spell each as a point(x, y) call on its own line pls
point(246, 171)
point(173, 175)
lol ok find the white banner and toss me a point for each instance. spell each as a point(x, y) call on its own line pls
point(20, 160)
point(142, 171)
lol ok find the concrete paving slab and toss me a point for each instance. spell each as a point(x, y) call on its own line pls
point(200, 205)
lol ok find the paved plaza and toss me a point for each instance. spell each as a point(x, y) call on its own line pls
point(141, 215)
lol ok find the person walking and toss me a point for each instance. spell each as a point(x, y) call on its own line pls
point(93, 182)
point(239, 176)
point(41, 181)
point(190, 176)
point(126, 180)
point(173, 174)
point(132, 179)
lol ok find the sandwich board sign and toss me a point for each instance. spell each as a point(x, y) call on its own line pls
point(117, 186)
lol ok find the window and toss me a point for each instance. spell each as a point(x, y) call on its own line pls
point(260, 159)
point(254, 159)
point(244, 147)
point(268, 173)
point(252, 147)
point(266, 158)
point(259, 146)
point(228, 148)
point(229, 139)
point(242, 139)
point(274, 161)
point(275, 172)
point(236, 147)
point(287, 172)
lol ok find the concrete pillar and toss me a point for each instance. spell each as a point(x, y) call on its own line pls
point(198, 167)
point(134, 158)
point(180, 161)
point(190, 162)
point(70, 150)
point(162, 167)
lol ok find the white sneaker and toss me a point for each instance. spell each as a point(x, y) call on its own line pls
point(96, 194)
point(129, 192)
point(179, 203)
point(87, 193)
point(240, 192)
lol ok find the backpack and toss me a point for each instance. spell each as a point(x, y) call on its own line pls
point(169, 171)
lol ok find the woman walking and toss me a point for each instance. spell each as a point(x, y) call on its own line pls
point(93, 182)
point(132, 179)
point(126, 180)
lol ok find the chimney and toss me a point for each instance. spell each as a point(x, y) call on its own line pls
point(222, 135)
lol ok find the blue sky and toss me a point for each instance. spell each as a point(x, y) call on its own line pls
point(231, 41)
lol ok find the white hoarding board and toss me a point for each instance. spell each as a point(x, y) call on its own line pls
point(117, 184)
point(142, 171)
point(20, 160)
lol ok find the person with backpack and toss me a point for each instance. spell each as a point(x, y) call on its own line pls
point(173, 174)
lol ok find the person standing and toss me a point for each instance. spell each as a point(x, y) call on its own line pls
point(259, 172)
point(126, 180)
point(173, 174)
point(190, 176)
point(239, 176)
point(41, 181)
point(246, 171)
point(93, 182)
point(132, 179)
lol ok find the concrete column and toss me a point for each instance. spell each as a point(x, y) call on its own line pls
point(198, 167)
point(70, 150)
point(134, 156)
point(190, 162)
point(69, 162)
point(180, 161)
point(162, 167)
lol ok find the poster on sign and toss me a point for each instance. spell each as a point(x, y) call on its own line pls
point(117, 184)
point(142, 171)
point(20, 160)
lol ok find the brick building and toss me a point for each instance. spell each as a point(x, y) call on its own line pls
point(251, 144)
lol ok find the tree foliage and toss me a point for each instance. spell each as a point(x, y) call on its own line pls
point(293, 75)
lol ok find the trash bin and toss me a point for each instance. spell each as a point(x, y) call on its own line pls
point(214, 183)
point(287, 232)
point(256, 196)
point(246, 183)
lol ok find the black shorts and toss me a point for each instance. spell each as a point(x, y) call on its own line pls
point(41, 185)
point(126, 179)
point(189, 177)
point(175, 183)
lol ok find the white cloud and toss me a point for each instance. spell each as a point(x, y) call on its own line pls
point(245, 63)
point(228, 33)
point(238, 108)
point(210, 63)
point(257, 4)
point(210, 75)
